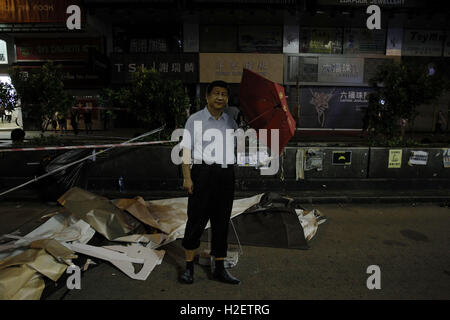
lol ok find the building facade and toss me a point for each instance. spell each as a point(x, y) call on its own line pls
point(321, 51)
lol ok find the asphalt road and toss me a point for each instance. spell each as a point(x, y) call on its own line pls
point(409, 243)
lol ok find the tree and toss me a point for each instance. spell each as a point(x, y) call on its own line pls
point(399, 89)
point(153, 100)
point(42, 93)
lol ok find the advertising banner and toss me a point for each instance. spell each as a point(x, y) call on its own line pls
point(333, 108)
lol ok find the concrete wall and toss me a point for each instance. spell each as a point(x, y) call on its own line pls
point(378, 166)
point(151, 168)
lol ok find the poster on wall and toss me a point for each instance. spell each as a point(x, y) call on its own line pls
point(333, 107)
point(321, 40)
point(343, 158)
point(363, 40)
point(418, 158)
point(290, 39)
point(3, 52)
point(395, 159)
point(394, 42)
point(446, 158)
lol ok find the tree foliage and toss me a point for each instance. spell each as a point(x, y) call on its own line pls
point(399, 89)
point(42, 93)
point(153, 100)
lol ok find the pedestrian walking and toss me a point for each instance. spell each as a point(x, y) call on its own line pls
point(62, 122)
point(87, 118)
point(55, 121)
point(74, 121)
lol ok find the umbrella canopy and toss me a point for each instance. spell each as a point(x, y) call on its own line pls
point(264, 105)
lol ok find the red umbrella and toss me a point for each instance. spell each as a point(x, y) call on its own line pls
point(264, 105)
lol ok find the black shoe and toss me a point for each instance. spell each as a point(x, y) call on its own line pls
point(224, 276)
point(187, 277)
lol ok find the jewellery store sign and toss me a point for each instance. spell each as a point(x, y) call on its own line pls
point(341, 70)
point(423, 43)
point(182, 67)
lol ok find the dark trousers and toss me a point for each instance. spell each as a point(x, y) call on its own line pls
point(212, 200)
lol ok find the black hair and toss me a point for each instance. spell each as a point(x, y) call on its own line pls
point(217, 83)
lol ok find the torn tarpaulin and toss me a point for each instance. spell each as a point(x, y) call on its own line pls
point(99, 213)
point(21, 275)
point(274, 222)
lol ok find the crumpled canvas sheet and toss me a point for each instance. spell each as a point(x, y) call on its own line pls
point(99, 212)
point(123, 257)
point(61, 227)
point(21, 275)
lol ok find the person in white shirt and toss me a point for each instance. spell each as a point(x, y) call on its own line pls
point(209, 180)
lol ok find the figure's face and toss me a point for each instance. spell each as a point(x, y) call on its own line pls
point(218, 98)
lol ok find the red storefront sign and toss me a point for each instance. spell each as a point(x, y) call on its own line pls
point(28, 49)
point(36, 11)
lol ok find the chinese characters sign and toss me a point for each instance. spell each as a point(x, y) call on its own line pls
point(337, 69)
point(229, 66)
point(183, 67)
point(148, 45)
